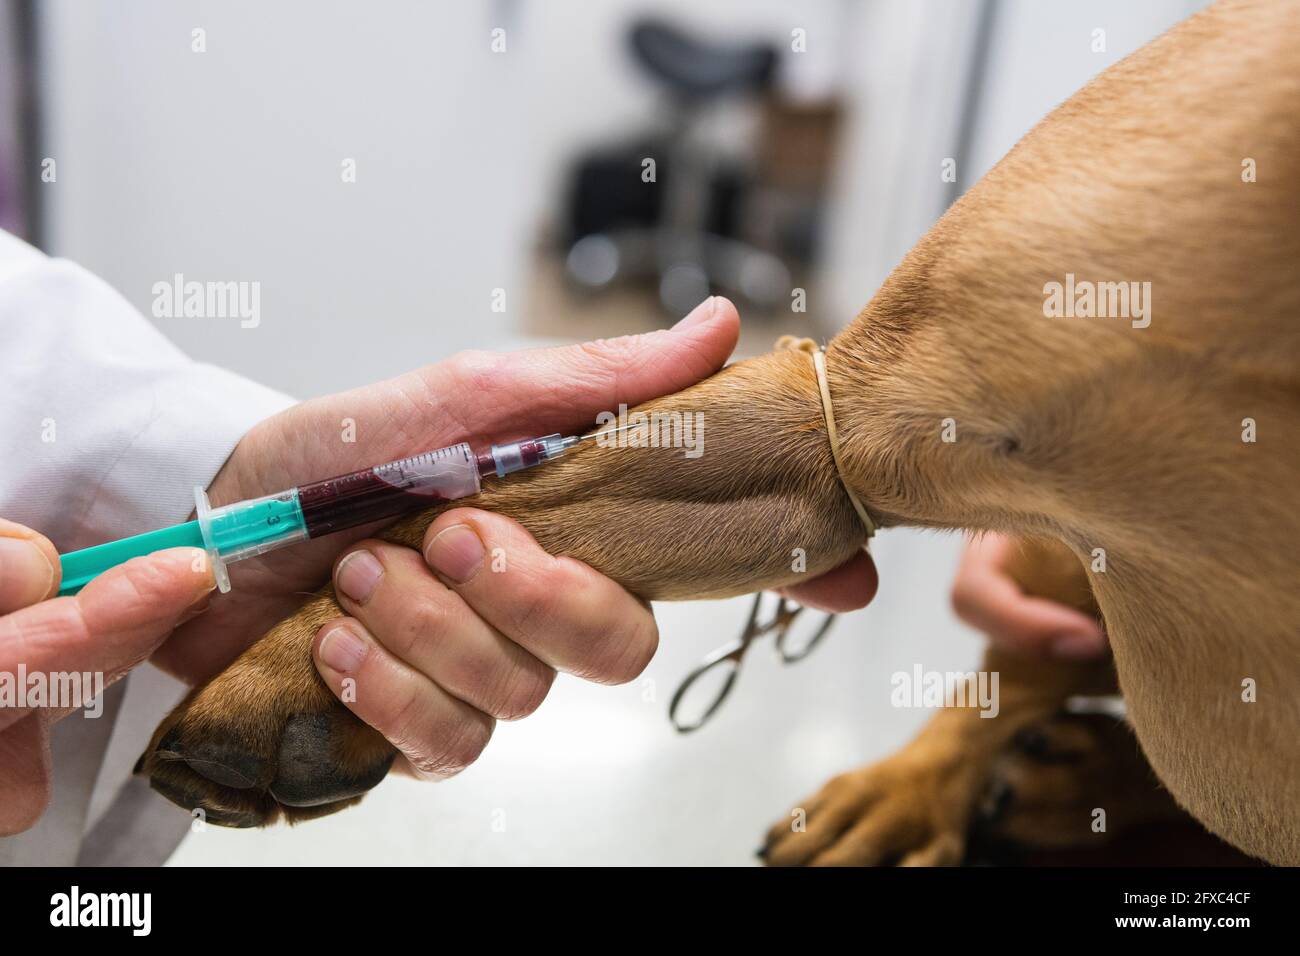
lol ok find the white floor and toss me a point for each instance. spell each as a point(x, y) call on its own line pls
point(598, 776)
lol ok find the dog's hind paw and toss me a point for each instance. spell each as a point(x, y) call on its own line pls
point(1056, 776)
point(931, 801)
point(901, 811)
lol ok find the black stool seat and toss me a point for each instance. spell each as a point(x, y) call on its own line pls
point(695, 69)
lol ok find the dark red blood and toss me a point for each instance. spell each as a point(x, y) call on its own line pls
point(351, 500)
point(531, 452)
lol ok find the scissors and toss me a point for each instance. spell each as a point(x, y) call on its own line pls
point(720, 668)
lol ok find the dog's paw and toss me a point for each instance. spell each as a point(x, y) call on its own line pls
point(908, 810)
point(251, 767)
point(247, 766)
point(266, 739)
point(1071, 781)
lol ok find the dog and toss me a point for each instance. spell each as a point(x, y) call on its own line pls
point(1166, 441)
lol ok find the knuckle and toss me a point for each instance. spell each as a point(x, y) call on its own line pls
point(455, 749)
point(564, 607)
point(421, 620)
point(31, 637)
point(470, 675)
point(844, 783)
point(505, 690)
point(396, 714)
point(620, 653)
point(474, 369)
point(145, 579)
point(612, 353)
point(466, 746)
point(521, 692)
point(537, 602)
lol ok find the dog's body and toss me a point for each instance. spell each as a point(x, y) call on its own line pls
point(1089, 432)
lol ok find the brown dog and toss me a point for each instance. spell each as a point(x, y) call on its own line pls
point(1095, 433)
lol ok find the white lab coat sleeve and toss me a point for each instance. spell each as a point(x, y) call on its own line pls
point(107, 426)
point(105, 431)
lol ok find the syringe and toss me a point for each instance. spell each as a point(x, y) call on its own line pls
point(248, 528)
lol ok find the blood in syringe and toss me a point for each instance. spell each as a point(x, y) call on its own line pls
point(347, 501)
point(356, 499)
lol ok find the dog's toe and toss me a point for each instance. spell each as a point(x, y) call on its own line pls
point(209, 801)
point(1075, 766)
point(294, 815)
point(227, 762)
point(943, 850)
point(906, 810)
point(816, 827)
point(326, 758)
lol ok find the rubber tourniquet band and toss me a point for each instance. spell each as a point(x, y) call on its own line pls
point(819, 361)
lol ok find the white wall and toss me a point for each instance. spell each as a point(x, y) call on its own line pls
point(908, 85)
point(226, 165)
point(1042, 53)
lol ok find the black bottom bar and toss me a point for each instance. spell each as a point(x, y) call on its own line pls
point(982, 906)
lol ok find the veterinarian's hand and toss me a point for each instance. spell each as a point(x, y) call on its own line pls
point(436, 655)
point(850, 586)
point(108, 628)
point(986, 597)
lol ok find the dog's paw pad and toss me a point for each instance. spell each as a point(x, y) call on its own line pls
point(311, 770)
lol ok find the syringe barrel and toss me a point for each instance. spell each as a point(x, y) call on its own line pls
point(248, 528)
point(386, 491)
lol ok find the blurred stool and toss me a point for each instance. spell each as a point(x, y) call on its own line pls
point(687, 260)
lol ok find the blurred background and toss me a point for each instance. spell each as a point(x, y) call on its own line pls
point(406, 180)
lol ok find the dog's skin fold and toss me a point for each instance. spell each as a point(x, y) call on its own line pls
point(1087, 432)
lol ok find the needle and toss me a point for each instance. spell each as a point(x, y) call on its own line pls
point(612, 431)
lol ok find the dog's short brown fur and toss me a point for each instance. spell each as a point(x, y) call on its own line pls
point(1085, 432)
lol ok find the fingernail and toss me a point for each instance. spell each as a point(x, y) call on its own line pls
point(1078, 646)
point(26, 574)
point(455, 553)
point(701, 313)
point(358, 574)
point(341, 650)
